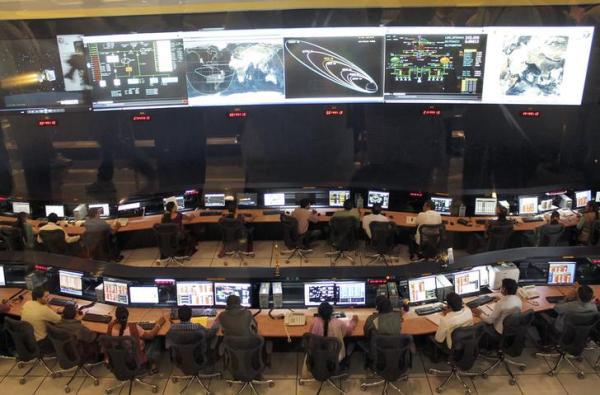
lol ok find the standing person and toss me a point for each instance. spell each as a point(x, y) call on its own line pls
point(95, 224)
point(236, 320)
point(427, 217)
point(306, 217)
point(325, 325)
point(375, 216)
point(26, 230)
point(38, 314)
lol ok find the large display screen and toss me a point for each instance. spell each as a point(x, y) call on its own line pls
point(70, 282)
point(467, 282)
point(561, 273)
point(194, 293)
point(317, 293)
point(143, 295)
point(223, 290)
point(115, 292)
point(422, 289)
point(351, 293)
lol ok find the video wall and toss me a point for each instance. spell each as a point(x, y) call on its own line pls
point(489, 65)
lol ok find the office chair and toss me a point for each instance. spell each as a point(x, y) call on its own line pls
point(243, 359)
point(391, 359)
point(499, 237)
point(97, 244)
point(191, 353)
point(595, 236)
point(511, 343)
point(431, 240)
point(322, 360)
point(27, 348)
point(464, 353)
point(571, 343)
point(292, 240)
point(167, 237)
point(68, 355)
point(11, 239)
point(549, 235)
point(122, 354)
point(53, 241)
point(383, 235)
point(234, 239)
point(343, 238)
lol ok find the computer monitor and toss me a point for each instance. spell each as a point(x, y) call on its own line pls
point(104, 208)
point(115, 292)
point(546, 204)
point(528, 205)
point(274, 199)
point(337, 198)
point(143, 295)
point(374, 197)
point(59, 210)
point(223, 290)
point(128, 206)
point(319, 292)
point(422, 289)
point(70, 282)
point(177, 199)
point(486, 206)
point(214, 199)
point(598, 196)
point(561, 273)
point(582, 198)
point(247, 199)
point(2, 277)
point(442, 204)
point(467, 282)
point(484, 275)
point(195, 293)
point(21, 207)
point(350, 293)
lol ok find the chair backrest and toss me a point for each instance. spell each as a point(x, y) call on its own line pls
point(322, 355)
point(289, 225)
point(12, 238)
point(514, 333)
point(244, 356)
point(499, 236)
point(233, 233)
point(167, 238)
point(595, 236)
point(550, 235)
point(383, 236)
point(65, 346)
point(577, 330)
point(465, 346)
point(343, 233)
point(54, 241)
point(391, 357)
point(97, 244)
point(121, 352)
point(189, 351)
point(22, 335)
point(430, 240)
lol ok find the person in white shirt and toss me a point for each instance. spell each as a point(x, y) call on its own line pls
point(53, 225)
point(375, 216)
point(427, 217)
point(456, 316)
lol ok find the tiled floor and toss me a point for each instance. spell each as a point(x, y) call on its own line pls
point(287, 366)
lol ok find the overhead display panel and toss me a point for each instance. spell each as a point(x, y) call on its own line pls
point(434, 64)
point(536, 65)
point(333, 65)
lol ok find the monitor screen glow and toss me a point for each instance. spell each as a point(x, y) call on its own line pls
point(582, 198)
point(350, 293)
point(319, 292)
point(70, 282)
point(104, 208)
point(56, 209)
point(143, 295)
point(467, 282)
point(442, 205)
point(422, 289)
point(115, 292)
point(485, 206)
point(546, 204)
point(214, 200)
point(274, 199)
point(223, 290)
point(528, 205)
point(195, 293)
point(128, 206)
point(2, 277)
point(179, 201)
point(561, 273)
point(374, 197)
point(21, 207)
point(247, 199)
point(337, 198)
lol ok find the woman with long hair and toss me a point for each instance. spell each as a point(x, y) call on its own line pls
point(326, 325)
point(26, 230)
point(172, 215)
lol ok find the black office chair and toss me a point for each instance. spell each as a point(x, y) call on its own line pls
point(97, 245)
point(383, 241)
point(511, 343)
point(595, 236)
point(499, 237)
point(391, 359)
point(292, 240)
point(193, 355)
point(244, 360)
point(464, 353)
point(431, 241)
point(167, 237)
point(571, 343)
point(549, 235)
point(54, 241)
point(27, 348)
point(343, 237)
point(122, 354)
point(322, 360)
point(68, 355)
point(235, 240)
point(11, 239)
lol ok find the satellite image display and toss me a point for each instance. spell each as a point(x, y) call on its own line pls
point(234, 70)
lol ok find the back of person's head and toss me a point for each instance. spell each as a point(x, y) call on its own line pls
point(554, 217)
point(170, 207)
point(304, 203)
point(383, 305)
point(53, 218)
point(348, 205)
point(184, 313)
point(94, 212)
point(122, 315)
point(231, 206)
point(510, 286)
point(428, 205)
point(325, 312)
point(501, 211)
point(233, 301)
point(376, 208)
point(454, 301)
point(38, 293)
point(21, 218)
point(585, 293)
point(69, 312)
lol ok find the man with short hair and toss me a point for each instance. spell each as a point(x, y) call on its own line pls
point(184, 313)
point(236, 320)
point(385, 321)
point(375, 216)
point(86, 339)
point(38, 314)
point(95, 224)
point(53, 225)
point(455, 316)
point(348, 211)
point(508, 304)
point(305, 217)
point(427, 217)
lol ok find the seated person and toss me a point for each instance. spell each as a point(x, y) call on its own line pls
point(26, 230)
point(375, 216)
point(171, 215)
point(456, 315)
point(96, 224)
point(508, 304)
point(427, 217)
point(232, 213)
point(236, 320)
point(88, 347)
point(306, 217)
point(325, 325)
point(385, 321)
point(541, 230)
point(53, 225)
point(184, 313)
point(348, 211)
point(38, 314)
point(585, 226)
point(477, 241)
point(502, 220)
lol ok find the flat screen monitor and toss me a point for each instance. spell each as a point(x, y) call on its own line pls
point(337, 198)
point(143, 295)
point(467, 282)
point(247, 199)
point(214, 200)
point(56, 209)
point(2, 277)
point(70, 282)
point(115, 292)
point(422, 289)
point(528, 205)
point(223, 290)
point(21, 207)
point(442, 205)
point(104, 208)
point(319, 292)
point(177, 199)
point(484, 275)
point(561, 273)
point(195, 293)
point(374, 197)
point(485, 206)
point(598, 196)
point(128, 206)
point(274, 199)
point(546, 204)
point(582, 198)
point(350, 293)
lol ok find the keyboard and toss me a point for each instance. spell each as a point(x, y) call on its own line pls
point(532, 219)
point(272, 212)
point(555, 299)
point(436, 308)
point(147, 326)
point(481, 221)
point(480, 301)
point(210, 213)
point(91, 317)
point(195, 313)
point(61, 302)
point(336, 314)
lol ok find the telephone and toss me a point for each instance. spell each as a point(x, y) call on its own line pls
point(294, 319)
point(528, 292)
